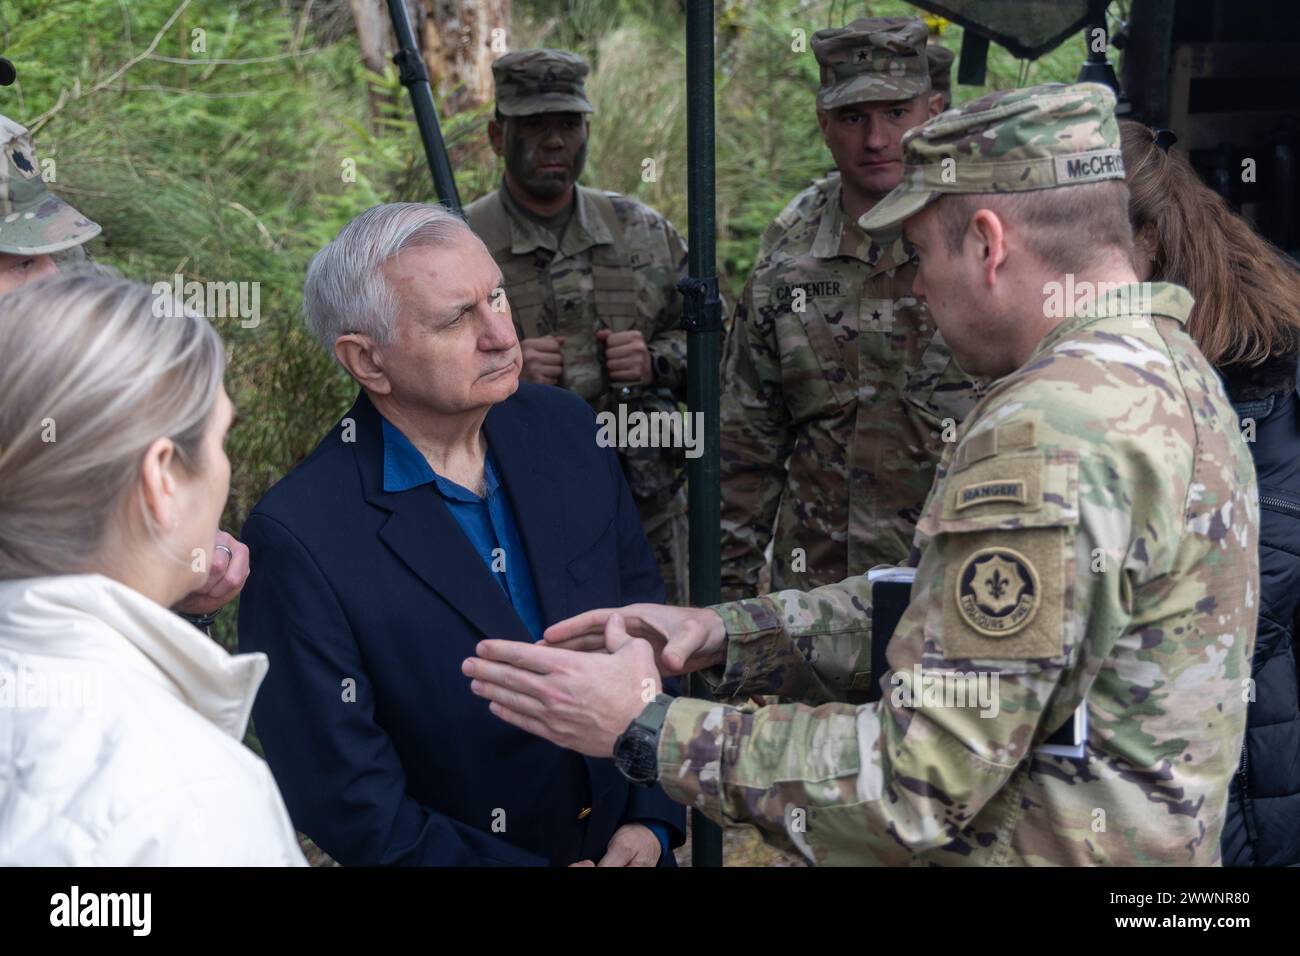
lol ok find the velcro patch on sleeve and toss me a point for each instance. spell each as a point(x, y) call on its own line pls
point(1016, 435)
point(1014, 480)
point(1005, 594)
point(975, 448)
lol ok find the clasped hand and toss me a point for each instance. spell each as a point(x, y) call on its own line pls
point(561, 692)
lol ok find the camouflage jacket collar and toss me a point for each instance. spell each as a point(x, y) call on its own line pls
point(1085, 304)
point(837, 236)
point(585, 229)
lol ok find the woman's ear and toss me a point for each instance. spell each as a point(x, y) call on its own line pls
point(1145, 247)
point(158, 482)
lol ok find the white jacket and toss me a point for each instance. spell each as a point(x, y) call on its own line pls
point(121, 731)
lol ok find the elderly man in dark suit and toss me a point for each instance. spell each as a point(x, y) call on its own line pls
point(449, 505)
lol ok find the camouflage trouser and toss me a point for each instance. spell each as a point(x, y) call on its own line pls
point(665, 523)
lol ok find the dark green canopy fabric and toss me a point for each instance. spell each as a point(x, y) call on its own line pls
point(1027, 28)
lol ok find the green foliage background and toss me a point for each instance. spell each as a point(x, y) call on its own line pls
point(232, 168)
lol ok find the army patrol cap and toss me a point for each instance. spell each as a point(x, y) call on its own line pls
point(33, 221)
point(939, 59)
point(540, 81)
point(1042, 137)
point(871, 60)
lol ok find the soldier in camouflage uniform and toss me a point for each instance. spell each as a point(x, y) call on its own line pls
point(34, 223)
point(590, 277)
point(837, 391)
point(939, 59)
point(1090, 540)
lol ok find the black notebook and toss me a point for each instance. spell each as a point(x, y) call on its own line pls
point(891, 591)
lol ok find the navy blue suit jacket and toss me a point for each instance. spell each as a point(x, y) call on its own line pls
point(353, 584)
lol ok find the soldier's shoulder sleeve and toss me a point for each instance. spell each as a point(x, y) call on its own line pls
point(771, 275)
point(1070, 475)
point(646, 228)
point(477, 210)
point(794, 220)
point(1000, 560)
point(488, 218)
point(638, 220)
point(1112, 391)
point(632, 213)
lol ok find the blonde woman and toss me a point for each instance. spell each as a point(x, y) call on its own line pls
point(121, 723)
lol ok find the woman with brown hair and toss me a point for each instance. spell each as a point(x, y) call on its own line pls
point(1247, 322)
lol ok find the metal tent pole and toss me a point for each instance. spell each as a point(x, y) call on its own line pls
point(702, 318)
point(415, 77)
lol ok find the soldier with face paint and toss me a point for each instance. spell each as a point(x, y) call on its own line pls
point(590, 278)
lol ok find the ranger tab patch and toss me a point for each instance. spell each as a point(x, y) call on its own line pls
point(986, 491)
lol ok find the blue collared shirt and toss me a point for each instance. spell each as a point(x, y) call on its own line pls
point(488, 522)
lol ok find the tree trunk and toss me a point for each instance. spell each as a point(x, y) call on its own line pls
point(374, 33)
point(458, 39)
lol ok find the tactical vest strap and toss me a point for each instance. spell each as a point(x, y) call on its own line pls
point(615, 288)
point(605, 207)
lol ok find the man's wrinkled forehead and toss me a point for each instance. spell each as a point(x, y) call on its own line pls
point(459, 272)
point(425, 261)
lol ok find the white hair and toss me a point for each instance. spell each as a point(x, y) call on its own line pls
point(345, 290)
point(96, 369)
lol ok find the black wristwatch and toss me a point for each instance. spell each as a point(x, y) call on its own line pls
point(636, 752)
point(202, 621)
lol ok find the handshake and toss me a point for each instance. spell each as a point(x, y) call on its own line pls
point(592, 675)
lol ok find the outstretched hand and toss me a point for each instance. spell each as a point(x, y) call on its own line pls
point(574, 700)
point(684, 639)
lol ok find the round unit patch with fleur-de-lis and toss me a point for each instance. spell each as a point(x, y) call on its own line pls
point(997, 591)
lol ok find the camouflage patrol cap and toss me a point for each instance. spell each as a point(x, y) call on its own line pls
point(540, 81)
point(871, 60)
point(33, 221)
point(1041, 137)
point(939, 59)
